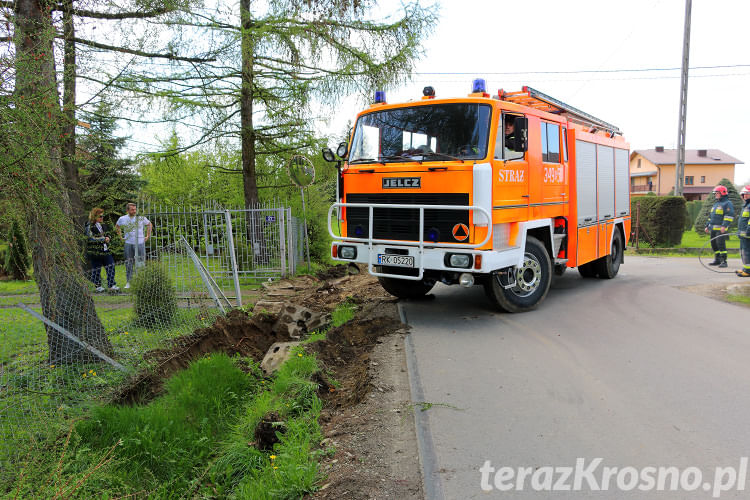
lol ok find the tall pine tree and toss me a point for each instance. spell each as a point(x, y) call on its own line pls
point(107, 180)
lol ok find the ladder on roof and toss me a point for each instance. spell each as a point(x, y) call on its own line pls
point(538, 100)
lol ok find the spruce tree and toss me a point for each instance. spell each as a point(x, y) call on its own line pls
point(17, 259)
point(107, 180)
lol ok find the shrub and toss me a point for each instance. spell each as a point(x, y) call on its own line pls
point(662, 217)
point(734, 197)
point(155, 296)
point(17, 258)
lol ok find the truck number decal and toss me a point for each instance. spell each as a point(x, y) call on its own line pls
point(515, 176)
point(554, 175)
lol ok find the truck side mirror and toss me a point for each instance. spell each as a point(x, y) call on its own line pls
point(522, 134)
point(342, 150)
point(328, 155)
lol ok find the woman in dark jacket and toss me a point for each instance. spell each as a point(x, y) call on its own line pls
point(97, 250)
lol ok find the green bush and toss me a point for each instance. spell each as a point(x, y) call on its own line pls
point(155, 296)
point(662, 218)
point(702, 220)
point(17, 258)
point(693, 210)
point(3, 258)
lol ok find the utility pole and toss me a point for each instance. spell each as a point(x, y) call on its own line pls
point(679, 181)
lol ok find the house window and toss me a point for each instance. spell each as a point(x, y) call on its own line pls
point(688, 180)
point(550, 142)
point(703, 179)
point(639, 163)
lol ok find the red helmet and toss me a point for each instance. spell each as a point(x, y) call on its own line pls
point(745, 190)
point(722, 190)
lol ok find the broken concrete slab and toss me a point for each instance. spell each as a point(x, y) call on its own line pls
point(277, 354)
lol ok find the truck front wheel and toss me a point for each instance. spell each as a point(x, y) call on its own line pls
point(405, 289)
point(522, 288)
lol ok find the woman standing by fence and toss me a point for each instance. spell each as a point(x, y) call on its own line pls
point(98, 252)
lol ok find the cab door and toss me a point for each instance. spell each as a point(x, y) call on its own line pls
point(510, 170)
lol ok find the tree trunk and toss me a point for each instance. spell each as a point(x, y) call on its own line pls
point(70, 166)
point(247, 134)
point(64, 294)
point(254, 231)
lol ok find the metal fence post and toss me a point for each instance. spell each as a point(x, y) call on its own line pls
point(233, 257)
point(93, 350)
point(282, 242)
point(290, 240)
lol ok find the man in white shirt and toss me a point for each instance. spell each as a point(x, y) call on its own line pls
point(135, 241)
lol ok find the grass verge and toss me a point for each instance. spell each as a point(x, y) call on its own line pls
point(200, 439)
point(196, 440)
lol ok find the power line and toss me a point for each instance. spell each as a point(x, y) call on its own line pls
point(572, 72)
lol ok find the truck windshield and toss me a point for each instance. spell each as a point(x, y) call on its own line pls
point(439, 132)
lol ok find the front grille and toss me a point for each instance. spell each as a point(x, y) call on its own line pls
point(403, 223)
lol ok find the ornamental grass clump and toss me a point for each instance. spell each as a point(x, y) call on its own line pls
point(155, 296)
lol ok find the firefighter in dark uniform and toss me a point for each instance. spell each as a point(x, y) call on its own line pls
point(743, 227)
point(722, 215)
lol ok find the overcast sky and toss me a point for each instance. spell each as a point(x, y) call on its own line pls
point(507, 42)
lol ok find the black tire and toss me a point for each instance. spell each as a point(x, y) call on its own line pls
point(532, 281)
point(607, 267)
point(405, 289)
point(587, 270)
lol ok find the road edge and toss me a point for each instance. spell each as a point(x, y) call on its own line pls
point(431, 483)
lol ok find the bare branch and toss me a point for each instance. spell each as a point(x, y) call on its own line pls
point(140, 53)
point(118, 15)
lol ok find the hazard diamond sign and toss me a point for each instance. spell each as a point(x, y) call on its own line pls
point(460, 232)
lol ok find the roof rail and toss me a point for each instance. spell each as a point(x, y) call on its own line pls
point(538, 100)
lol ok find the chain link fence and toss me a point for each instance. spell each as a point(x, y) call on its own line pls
point(57, 360)
point(65, 349)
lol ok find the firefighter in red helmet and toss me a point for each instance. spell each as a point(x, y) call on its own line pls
point(722, 215)
point(743, 231)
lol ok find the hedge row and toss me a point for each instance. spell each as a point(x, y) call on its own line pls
point(662, 219)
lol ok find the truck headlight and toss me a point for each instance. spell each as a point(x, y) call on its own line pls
point(347, 252)
point(459, 260)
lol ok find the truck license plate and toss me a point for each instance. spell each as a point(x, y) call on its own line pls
point(395, 260)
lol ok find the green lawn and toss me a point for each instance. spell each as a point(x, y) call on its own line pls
point(691, 239)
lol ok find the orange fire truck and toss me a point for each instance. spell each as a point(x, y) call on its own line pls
point(501, 191)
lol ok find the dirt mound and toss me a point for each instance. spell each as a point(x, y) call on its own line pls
point(333, 272)
point(235, 333)
point(265, 432)
point(345, 353)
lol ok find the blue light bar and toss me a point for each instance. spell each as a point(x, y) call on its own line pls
point(379, 96)
point(479, 86)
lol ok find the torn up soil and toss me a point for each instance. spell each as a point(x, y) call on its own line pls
point(367, 416)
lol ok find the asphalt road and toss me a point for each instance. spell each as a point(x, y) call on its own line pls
point(637, 371)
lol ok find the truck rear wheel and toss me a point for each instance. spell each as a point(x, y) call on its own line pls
point(530, 282)
point(405, 289)
point(607, 267)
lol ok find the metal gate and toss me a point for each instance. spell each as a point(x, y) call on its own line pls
point(237, 246)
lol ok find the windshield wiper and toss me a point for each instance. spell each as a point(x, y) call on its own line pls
point(442, 155)
point(395, 157)
point(365, 160)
